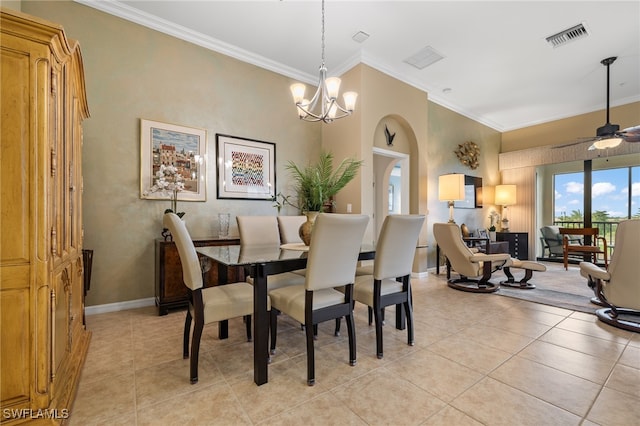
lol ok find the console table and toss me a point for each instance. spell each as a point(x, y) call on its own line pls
point(518, 243)
point(170, 289)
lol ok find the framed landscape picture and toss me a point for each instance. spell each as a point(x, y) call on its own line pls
point(184, 148)
point(246, 168)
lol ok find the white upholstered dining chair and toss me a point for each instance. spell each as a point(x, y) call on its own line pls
point(206, 305)
point(390, 282)
point(264, 231)
point(331, 262)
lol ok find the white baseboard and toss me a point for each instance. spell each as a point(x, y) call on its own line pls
point(419, 274)
point(119, 306)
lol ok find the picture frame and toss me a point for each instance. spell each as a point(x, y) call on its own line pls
point(246, 168)
point(472, 188)
point(180, 146)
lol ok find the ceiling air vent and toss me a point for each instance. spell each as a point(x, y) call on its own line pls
point(563, 37)
point(424, 58)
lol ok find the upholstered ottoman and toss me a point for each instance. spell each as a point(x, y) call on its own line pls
point(528, 266)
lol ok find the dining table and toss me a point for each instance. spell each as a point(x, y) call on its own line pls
point(262, 261)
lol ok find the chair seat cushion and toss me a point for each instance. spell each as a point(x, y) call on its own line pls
point(228, 301)
point(363, 288)
point(291, 300)
point(284, 279)
point(525, 264)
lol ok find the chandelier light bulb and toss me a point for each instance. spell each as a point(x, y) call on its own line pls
point(333, 87)
point(297, 90)
point(350, 100)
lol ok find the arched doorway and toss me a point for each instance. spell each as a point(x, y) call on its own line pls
point(391, 185)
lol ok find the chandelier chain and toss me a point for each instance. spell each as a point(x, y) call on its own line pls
point(323, 33)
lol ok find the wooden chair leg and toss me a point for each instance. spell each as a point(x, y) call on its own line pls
point(247, 320)
point(311, 375)
point(337, 330)
point(195, 348)
point(409, 317)
point(352, 339)
point(274, 329)
point(187, 330)
point(377, 313)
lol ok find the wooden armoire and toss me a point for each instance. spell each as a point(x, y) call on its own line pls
point(43, 338)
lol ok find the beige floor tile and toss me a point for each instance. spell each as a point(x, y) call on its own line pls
point(213, 404)
point(493, 403)
point(615, 408)
point(569, 361)
point(442, 377)
point(528, 313)
point(325, 409)
point(496, 338)
point(596, 328)
point(507, 321)
point(164, 381)
point(631, 357)
point(555, 387)
point(105, 400)
point(450, 416)
point(477, 356)
point(381, 397)
point(625, 379)
point(597, 347)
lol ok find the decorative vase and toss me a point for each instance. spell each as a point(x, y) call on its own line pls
point(307, 227)
point(492, 236)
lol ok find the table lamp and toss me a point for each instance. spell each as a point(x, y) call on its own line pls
point(450, 189)
point(505, 195)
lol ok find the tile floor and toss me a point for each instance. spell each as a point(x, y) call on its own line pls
point(479, 359)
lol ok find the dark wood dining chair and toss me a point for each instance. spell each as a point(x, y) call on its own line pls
point(589, 247)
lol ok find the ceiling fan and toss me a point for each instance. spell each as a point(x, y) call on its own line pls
point(610, 135)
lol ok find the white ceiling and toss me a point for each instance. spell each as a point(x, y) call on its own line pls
point(497, 63)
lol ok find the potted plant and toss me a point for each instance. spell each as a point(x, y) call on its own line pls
point(317, 183)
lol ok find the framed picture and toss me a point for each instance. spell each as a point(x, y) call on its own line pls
point(246, 168)
point(472, 188)
point(164, 144)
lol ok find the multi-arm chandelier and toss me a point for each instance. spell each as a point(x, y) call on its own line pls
point(324, 104)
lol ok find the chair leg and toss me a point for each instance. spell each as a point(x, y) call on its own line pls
point(409, 314)
point(337, 330)
point(247, 320)
point(274, 329)
point(352, 339)
point(195, 348)
point(315, 331)
point(377, 313)
point(370, 311)
point(187, 329)
point(311, 374)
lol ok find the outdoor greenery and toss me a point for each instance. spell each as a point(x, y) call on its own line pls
point(317, 183)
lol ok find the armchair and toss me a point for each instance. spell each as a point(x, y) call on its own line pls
point(582, 249)
point(617, 287)
point(475, 269)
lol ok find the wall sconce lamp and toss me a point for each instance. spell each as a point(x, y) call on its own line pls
point(505, 195)
point(450, 189)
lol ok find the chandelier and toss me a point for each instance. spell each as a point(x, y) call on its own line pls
point(324, 105)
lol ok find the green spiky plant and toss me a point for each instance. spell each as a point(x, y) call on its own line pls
point(317, 183)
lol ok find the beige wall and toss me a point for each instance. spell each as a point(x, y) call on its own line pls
point(569, 130)
point(132, 73)
point(447, 129)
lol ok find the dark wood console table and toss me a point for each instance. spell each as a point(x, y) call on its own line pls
point(518, 243)
point(170, 289)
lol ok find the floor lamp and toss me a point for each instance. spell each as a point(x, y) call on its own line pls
point(505, 196)
point(450, 189)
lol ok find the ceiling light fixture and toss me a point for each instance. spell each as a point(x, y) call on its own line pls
point(324, 104)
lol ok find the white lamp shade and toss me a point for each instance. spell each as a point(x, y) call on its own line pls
point(297, 91)
point(350, 100)
point(451, 187)
point(333, 87)
point(505, 195)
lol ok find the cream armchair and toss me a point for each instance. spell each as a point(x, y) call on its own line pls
point(617, 287)
point(474, 268)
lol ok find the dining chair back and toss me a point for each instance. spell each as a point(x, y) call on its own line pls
point(289, 227)
point(331, 262)
point(390, 283)
point(258, 230)
point(617, 287)
point(206, 305)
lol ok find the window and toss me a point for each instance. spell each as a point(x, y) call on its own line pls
point(568, 191)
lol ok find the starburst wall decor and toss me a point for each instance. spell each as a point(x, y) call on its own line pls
point(469, 154)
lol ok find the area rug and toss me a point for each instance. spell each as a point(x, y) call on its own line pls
point(555, 287)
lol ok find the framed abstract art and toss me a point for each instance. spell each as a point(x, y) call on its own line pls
point(246, 168)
